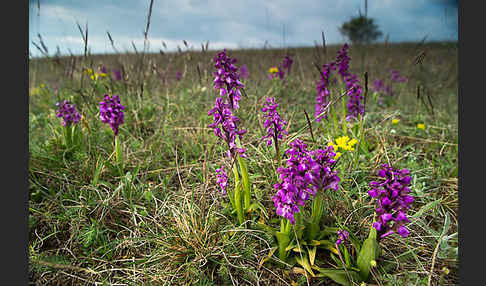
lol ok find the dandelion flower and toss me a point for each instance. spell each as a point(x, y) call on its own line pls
point(421, 126)
point(395, 120)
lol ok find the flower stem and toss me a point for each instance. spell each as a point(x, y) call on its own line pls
point(360, 141)
point(119, 155)
point(344, 126)
point(277, 151)
point(238, 196)
point(68, 136)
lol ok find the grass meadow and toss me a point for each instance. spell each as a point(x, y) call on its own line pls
point(163, 220)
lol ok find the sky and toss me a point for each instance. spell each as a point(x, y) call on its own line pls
point(228, 23)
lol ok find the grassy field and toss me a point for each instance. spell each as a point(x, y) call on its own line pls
point(164, 220)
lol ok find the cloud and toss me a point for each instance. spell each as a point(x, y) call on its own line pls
point(248, 23)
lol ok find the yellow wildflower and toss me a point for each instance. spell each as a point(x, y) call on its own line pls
point(338, 154)
point(341, 141)
point(88, 71)
point(102, 74)
point(273, 70)
point(344, 143)
point(395, 120)
point(352, 142)
point(421, 126)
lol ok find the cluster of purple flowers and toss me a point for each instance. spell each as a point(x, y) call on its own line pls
point(111, 112)
point(393, 200)
point(223, 115)
point(380, 87)
point(323, 94)
point(287, 63)
point(227, 79)
point(244, 71)
point(355, 104)
point(68, 112)
point(228, 84)
point(117, 74)
point(395, 77)
point(273, 124)
point(307, 172)
point(222, 179)
point(103, 69)
point(343, 236)
point(342, 61)
point(178, 75)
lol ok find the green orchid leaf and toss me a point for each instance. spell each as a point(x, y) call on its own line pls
point(298, 249)
point(341, 276)
point(369, 252)
point(326, 244)
point(283, 240)
point(266, 258)
point(328, 231)
point(246, 182)
point(304, 262)
point(312, 231)
point(258, 206)
point(312, 254)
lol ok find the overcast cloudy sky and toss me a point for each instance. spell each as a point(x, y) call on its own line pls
point(228, 23)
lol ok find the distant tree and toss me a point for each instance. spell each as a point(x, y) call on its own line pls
point(360, 30)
